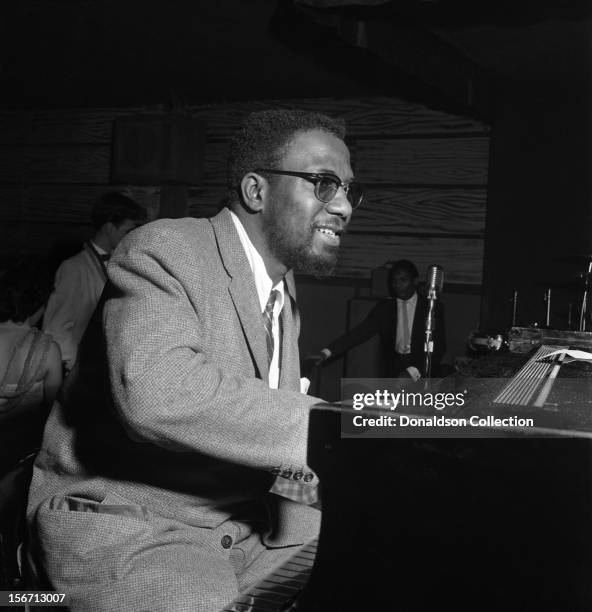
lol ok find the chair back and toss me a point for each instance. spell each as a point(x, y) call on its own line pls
point(14, 488)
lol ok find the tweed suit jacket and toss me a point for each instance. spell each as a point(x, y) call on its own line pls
point(179, 419)
point(382, 320)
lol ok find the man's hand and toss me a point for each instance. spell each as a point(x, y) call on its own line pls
point(411, 372)
point(316, 359)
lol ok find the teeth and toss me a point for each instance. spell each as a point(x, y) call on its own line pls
point(326, 231)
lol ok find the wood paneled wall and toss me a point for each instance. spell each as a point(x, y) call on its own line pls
point(425, 174)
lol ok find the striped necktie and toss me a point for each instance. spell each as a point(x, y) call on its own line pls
point(268, 322)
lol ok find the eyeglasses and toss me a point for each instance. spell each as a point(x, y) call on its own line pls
point(326, 185)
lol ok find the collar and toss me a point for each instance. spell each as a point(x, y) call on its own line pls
point(263, 282)
point(232, 252)
point(412, 301)
point(97, 248)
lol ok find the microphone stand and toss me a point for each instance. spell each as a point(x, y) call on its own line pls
point(435, 282)
point(548, 316)
point(584, 310)
point(429, 342)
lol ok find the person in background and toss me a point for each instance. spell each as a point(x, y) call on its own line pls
point(400, 324)
point(79, 281)
point(30, 362)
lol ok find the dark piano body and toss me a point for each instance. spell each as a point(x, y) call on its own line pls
point(461, 524)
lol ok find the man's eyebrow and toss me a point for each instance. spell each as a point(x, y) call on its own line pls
point(327, 171)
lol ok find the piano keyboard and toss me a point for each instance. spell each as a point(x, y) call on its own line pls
point(278, 591)
point(521, 389)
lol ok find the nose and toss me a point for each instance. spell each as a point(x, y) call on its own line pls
point(340, 206)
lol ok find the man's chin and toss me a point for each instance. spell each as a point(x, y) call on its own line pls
point(309, 259)
point(317, 266)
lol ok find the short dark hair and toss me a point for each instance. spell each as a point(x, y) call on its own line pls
point(264, 135)
point(402, 264)
point(25, 285)
point(114, 207)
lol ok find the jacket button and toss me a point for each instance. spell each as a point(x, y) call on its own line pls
point(226, 541)
point(308, 476)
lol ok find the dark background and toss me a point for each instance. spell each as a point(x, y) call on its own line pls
point(517, 75)
point(470, 123)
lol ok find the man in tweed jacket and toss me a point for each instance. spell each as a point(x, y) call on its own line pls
point(151, 488)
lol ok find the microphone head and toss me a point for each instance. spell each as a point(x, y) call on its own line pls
point(435, 281)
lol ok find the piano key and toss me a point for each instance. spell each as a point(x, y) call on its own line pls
point(277, 591)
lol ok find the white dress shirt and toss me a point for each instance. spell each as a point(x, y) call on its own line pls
point(402, 343)
point(264, 286)
point(78, 285)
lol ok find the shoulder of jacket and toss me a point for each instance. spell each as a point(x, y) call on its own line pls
point(385, 304)
point(168, 232)
point(73, 264)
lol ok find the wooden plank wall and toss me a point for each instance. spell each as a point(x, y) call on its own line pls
point(425, 174)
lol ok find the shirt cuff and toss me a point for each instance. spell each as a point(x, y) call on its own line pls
point(326, 352)
point(414, 373)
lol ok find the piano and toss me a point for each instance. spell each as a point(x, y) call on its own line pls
point(281, 591)
point(473, 523)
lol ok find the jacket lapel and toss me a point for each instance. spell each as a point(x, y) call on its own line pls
point(242, 288)
point(389, 321)
point(421, 312)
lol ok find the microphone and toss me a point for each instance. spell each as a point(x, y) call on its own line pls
point(435, 282)
point(434, 285)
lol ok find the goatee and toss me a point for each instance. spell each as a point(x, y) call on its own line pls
point(300, 257)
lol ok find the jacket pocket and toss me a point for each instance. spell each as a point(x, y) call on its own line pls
point(82, 539)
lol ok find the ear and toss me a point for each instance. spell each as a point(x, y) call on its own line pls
point(253, 189)
point(109, 228)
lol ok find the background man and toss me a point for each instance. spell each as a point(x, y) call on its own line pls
point(154, 493)
point(80, 280)
point(400, 324)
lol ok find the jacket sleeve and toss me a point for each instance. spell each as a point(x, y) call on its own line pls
point(60, 318)
point(362, 332)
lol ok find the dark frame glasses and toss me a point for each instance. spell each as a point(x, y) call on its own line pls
point(326, 185)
